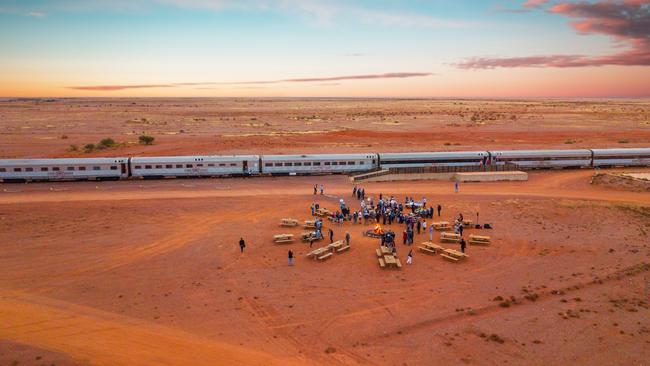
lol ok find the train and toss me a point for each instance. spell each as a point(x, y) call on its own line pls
point(118, 168)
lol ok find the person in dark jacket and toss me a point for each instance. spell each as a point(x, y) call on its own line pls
point(242, 244)
point(462, 245)
point(290, 255)
point(331, 235)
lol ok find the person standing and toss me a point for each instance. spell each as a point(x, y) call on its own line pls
point(311, 241)
point(347, 238)
point(419, 226)
point(331, 235)
point(404, 237)
point(242, 244)
point(431, 233)
point(409, 257)
point(290, 256)
point(462, 245)
point(313, 210)
point(439, 209)
point(315, 189)
point(460, 228)
point(456, 187)
point(322, 189)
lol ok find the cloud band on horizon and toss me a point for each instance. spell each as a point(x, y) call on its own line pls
point(392, 75)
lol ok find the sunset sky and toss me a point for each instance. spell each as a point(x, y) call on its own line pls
point(435, 48)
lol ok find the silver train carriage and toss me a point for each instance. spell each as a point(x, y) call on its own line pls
point(63, 169)
point(318, 164)
point(621, 157)
point(195, 166)
point(431, 159)
point(538, 159)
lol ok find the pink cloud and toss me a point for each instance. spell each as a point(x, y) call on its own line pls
point(626, 21)
point(534, 3)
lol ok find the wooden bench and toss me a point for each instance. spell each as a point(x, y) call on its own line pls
point(325, 256)
point(289, 222)
point(441, 225)
point(283, 238)
point(398, 263)
point(381, 263)
point(449, 237)
point(449, 258)
point(427, 250)
point(343, 249)
point(309, 224)
point(479, 240)
point(378, 253)
point(467, 223)
point(323, 212)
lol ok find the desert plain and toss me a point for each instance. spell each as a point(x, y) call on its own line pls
point(150, 272)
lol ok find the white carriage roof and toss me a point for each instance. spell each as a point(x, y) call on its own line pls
point(63, 161)
point(542, 153)
point(629, 151)
point(191, 159)
point(319, 157)
point(444, 154)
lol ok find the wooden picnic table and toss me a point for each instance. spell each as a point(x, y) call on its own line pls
point(386, 250)
point(336, 245)
point(318, 252)
point(390, 260)
point(455, 253)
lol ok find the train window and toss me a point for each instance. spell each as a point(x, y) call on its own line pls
point(335, 163)
point(222, 164)
point(29, 169)
point(70, 168)
point(168, 166)
point(44, 169)
point(55, 168)
point(99, 168)
point(82, 168)
point(298, 164)
point(362, 162)
point(3, 170)
point(317, 163)
point(199, 165)
point(233, 164)
point(288, 164)
point(268, 164)
point(179, 166)
point(307, 164)
point(278, 164)
point(147, 166)
point(158, 166)
point(373, 161)
point(350, 162)
point(113, 167)
point(137, 167)
point(210, 165)
point(327, 163)
point(189, 165)
point(18, 170)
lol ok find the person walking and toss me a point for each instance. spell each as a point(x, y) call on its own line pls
point(322, 189)
point(460, 228)
point(331, 233)
point(462, 245)
point(311, 241)
point(419, 226)
point(431, 233)
point(404, 237)
point(409, 257)
point(456, 187)
point(439, 209)
point(242, 244)
point(315, 189)
point(347, 238)
point(290, 256)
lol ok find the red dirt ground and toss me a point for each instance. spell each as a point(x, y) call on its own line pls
point(48, 128)
point(149, 273)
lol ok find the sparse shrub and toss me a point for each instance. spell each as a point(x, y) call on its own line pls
point(496, 338)
point(146, 140)
point(64, 137)
point(105, 143)
point(330, 350)
point(569, 141)
point(624, 141)
point(505, 304)
point(89, 147)
point(73, 148)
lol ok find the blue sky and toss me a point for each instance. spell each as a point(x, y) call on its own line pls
point(409, 48)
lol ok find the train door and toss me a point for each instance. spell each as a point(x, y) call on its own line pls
point(245, 167)
point(123, 165)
